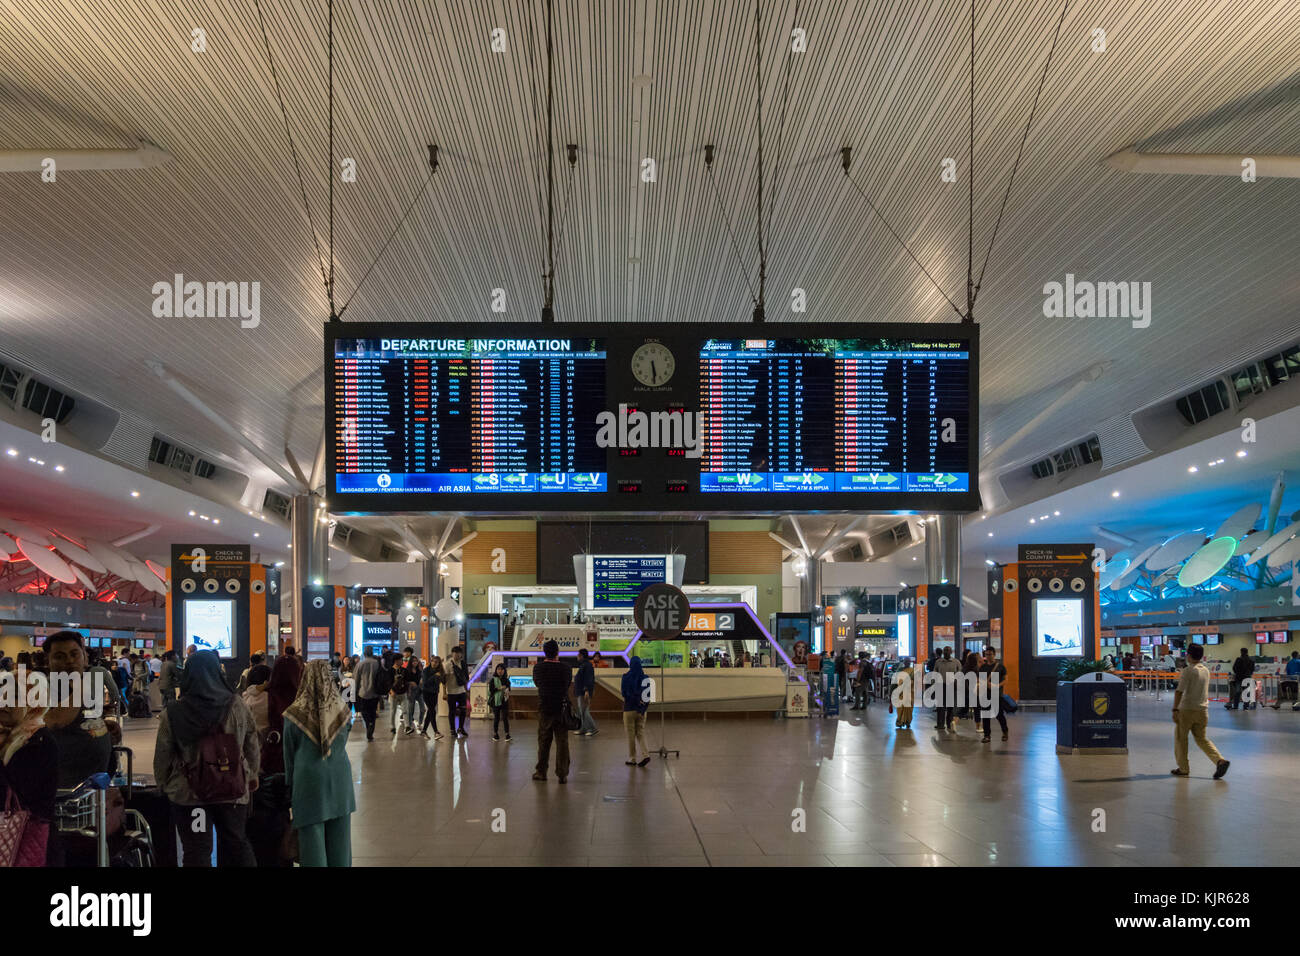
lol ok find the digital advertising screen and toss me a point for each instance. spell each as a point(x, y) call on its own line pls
point(1058, 628)
point(1281, 637)
point(1198, 638)
point(663, 418)
point(356, 633)
point(794, 632)
point(904, 636)
point(210, 626)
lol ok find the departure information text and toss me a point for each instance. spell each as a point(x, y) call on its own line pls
point(458, 415)
point(834, 415)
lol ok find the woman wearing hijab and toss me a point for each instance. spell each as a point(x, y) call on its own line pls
point(258, 679)
point(316, 727)
point(635, 704)
point(282, 690)
point(197, 771)
point(29, 775)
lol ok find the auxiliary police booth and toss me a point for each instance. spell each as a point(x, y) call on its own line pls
point(1044, 609)
point(331, 621)
point(221, 600)
point(1092, 715)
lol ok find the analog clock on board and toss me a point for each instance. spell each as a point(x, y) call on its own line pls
point(653, 364)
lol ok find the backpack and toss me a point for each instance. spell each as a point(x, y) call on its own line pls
point(383, 681)
point(217, 775)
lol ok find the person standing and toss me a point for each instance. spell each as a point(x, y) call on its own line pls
point(904, 680)
point(414, 699)
point(169, 678)
point(282, 690)
point(862, 683)
point(842, 673)
point(366, 680)
point(1242, 669)
point(947, 711)
point(584, 685)
point(455, 689)
point(430, 682)
point(316, 765)
point(552, 679)
point(1192, 714)
point(208, 713)
point(499, 700)
point(29, 771)
point(400, 693)
point(636, 701)
point(990, 667)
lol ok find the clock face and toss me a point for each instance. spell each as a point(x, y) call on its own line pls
point(653, 364)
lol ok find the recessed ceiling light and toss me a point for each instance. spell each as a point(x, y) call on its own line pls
point(31, 459)
point(902, 584)
point(1241, 454)
point(135, 494)
point(205, 517)
point(279, 564)
point(1033, 521)
point(58, 468)
point(1193, 469)
point(990, 534)
point(257, 534)
point(11, 452)
point(1056, 513)
point(1114, 494)
point(216, 521)
point(191, 514)
point(989, 562)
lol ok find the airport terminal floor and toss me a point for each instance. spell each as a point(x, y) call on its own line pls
point(872, 795)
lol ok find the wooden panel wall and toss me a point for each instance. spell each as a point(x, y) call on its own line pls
point(520, 548)
point(743, 552)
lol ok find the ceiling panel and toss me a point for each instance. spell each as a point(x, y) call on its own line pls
point(81, 255)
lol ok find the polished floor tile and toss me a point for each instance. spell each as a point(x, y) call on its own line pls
point(847, 792)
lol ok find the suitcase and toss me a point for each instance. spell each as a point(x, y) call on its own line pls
point(139, 706)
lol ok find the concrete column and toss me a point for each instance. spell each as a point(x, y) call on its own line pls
point(430, 581)
point(310, 557)
point(810, 586)
point(943, 550)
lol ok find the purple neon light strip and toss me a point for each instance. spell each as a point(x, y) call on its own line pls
point(488, 659)
point(750, 614)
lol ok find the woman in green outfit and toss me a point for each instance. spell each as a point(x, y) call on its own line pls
point(316, 727)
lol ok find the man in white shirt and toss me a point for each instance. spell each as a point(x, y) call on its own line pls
point(155, 665)
point(1191, 714)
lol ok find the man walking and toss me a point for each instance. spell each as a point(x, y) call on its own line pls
point(584, 685)
point(947, 710)
point(1192, 713)
point(365, 680)
point(551, 677)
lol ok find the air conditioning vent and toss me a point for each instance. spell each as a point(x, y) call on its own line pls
point(901, 532)
point(31, 393)
point(1067, 459)
point(277, 503)
point(342, 534)
point(180, 459)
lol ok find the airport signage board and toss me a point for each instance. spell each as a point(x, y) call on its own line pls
point(664, 418)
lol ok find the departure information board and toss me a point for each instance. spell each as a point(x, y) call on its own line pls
point(443, 415)
point(805, 416)
point(665, 418)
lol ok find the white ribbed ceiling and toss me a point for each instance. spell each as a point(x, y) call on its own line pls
point(78, 257)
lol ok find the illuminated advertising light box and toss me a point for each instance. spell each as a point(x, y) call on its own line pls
point(1058, 628)
point(664, 418)
point(904, 636)
point(210, 626)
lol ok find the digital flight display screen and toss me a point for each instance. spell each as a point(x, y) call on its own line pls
point(662, 418)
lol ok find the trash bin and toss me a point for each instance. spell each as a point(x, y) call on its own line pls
point(1092, 715)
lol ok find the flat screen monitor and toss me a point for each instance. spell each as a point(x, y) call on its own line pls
point(1213, 638)
point(521, 682)
point(1261, 637)
point(652, 418)
point(1198, 638)
point(1281, 637)
point(1058, 627)
point(615, 581)
point(38, 640)
point(904, 636)
point(139, 642)
point(559, 541)
point(210, 626)
point(356, 634)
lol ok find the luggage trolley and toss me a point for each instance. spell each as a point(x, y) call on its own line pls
point(83, 811)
